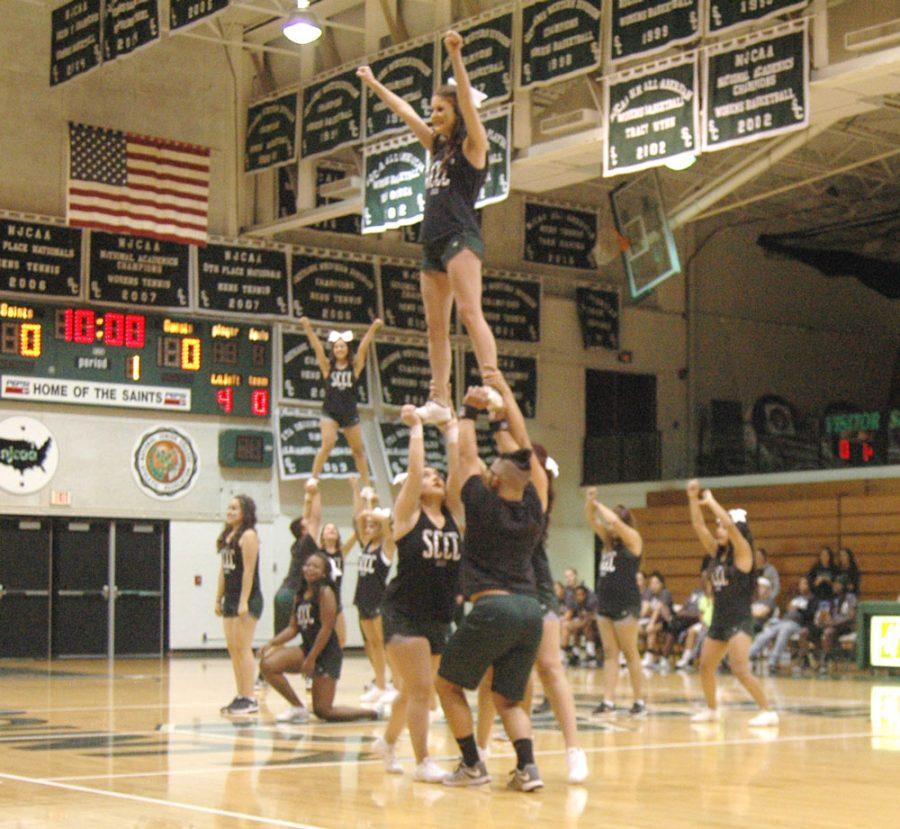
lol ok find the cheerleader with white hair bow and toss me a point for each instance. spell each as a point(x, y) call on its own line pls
point(732, 571)
point(341, 372)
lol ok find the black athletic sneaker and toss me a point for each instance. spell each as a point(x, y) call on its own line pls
point(226, 708)
point(542, 708)
point(242, 705)
point(604, 708)
point(639, 709)
point(525, 780)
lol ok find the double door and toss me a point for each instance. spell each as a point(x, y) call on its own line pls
point(82, 587)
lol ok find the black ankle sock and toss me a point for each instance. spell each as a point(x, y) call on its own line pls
point(524, 753)
point(469, 750)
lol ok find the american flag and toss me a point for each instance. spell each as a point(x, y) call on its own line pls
point(125, 183)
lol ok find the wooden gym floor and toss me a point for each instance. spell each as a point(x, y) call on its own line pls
point(145, 746)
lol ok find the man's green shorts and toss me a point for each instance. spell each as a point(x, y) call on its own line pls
point(436, 254)
point(503, 631)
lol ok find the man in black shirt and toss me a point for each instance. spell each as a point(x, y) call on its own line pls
point(504, 508)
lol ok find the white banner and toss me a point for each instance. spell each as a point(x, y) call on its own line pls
point(94, 393)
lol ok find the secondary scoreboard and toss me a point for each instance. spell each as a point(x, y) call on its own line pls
point(114, 357)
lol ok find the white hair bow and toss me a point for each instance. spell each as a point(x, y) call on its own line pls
point(399, 478)
point(478, 97)
point(739, 516)
point(552, 466)
point(346, 336)
point(381, 512)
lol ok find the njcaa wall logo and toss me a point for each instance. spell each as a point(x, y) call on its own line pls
point(28, 455)
point(166, 464)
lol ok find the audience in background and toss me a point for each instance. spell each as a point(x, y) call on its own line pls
point(769, 572)
point(763, 606)
point(660, 614)
point(799, 615)
point(847, 570)
point(841, 619)
point(583, 627)
point(822, 573)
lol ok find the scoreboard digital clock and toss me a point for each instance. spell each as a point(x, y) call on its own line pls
point(113, 357)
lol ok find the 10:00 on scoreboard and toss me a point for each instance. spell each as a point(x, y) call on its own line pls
point(110, 357)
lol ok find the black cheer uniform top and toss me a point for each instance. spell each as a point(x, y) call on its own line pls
point(427, 580)
point(734, 591)
point(233, 570)
point(340, 401)
point(309, 620)
point(372, 579)
point(451, 187)
point(617, 589)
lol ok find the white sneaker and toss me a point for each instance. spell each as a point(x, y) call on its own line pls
point(385, 751)
point(648, 660)
point(684, 662)
point(707, 715)
point(372, 695)
point(623, 663)
point(576, 760)
point(388, 695)
point(434, 412)
point(764, 719)
point(296, 714)
point(430, 772)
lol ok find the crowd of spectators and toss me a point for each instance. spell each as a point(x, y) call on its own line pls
point(803, 629)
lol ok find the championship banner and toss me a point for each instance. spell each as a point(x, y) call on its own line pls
point(350, 223)
point(651, 117)
point(128, 25)
point(138, 271)
point(393, 437)
point(76, 41)
point(598, 313)
point(40, 259)
point(487, 54)
point(299, 437)
point(497, 125)
point(301, 378)
point(560, 39)
point(185, 12)
point(520, 371)
point(401, 297)
point(559, 235)
point(725, 15)
point(271, 138)
point(644, 27)
point(394, 184)
point(243, 280)
point(404, 372)
point(512, 307)
point(408, 72)
point(755, 88)
point(330, 288)
point(332, 113)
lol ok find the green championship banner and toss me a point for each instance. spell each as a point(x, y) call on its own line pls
point(332, 113)
point(333, 287)
point(271, 138)
point(644, 27)
point(408, 72)
point(560, 38)
point(393, 184)
point(519, 370)
point(403, 372)
point(299, 437)
point(243, 280)
point(652, 116)
point(512, 307)
point(301, 377)
point(598, 313)
point(487, 54)
point(755, 88)
point(138, 271)
point(40, 259)
point(185, 12)
point(497, 125)
point(559, 235)
point(76, 42)
point(128, 25)
point(728, 14)
point(349, 223)
point(393, 437)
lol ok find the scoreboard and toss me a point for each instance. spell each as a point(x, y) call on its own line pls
point(113, 357)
